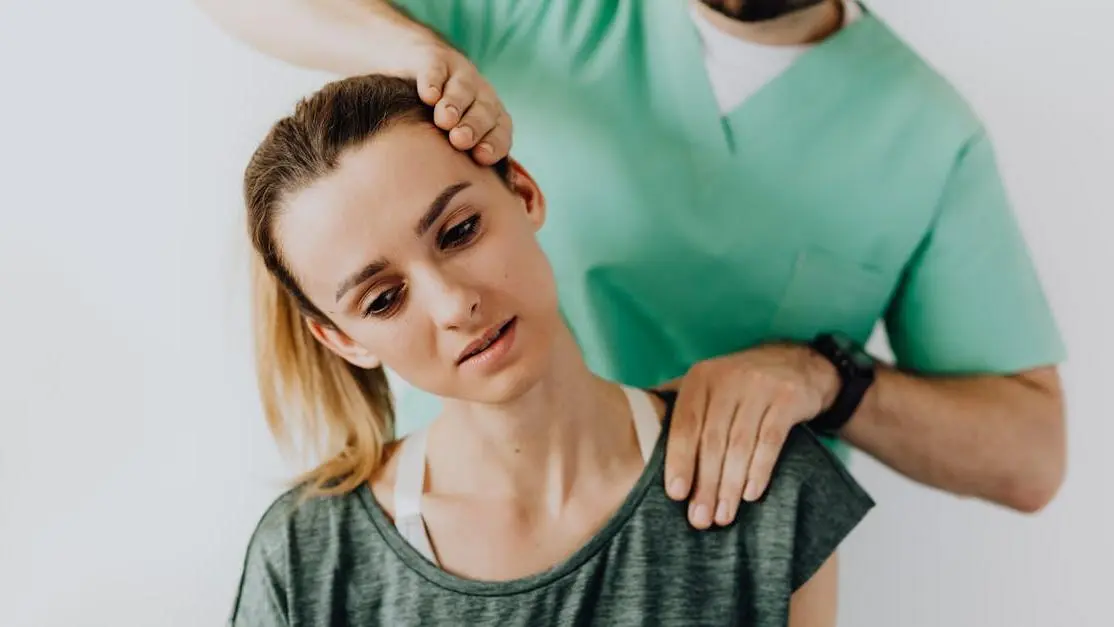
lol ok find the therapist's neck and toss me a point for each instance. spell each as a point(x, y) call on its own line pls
point(806, 26)
point(570, 431)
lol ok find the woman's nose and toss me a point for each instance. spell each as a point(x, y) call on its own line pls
point(453, 304)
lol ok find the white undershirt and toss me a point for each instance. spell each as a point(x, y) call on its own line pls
point(737, 68)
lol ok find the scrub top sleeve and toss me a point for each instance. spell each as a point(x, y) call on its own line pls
point(477, 28)
point(971, 299)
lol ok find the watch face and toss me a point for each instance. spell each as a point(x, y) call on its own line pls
point(858, 358)
point(861, 359)
point(843, 342)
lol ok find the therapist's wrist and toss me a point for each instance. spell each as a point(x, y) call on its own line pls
point(855, 374)
point(823, 377)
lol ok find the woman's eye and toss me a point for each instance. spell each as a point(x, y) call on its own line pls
point(384, 302)
point(462, 233)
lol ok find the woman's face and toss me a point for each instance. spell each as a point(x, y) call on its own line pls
point(427, 264)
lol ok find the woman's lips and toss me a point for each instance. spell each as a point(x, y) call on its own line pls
point(490, 346)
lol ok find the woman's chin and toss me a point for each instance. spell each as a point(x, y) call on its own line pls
point(503, 388)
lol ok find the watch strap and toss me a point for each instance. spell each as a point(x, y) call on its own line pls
point(855, 380)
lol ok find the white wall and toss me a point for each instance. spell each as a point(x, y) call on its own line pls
point(133, 460)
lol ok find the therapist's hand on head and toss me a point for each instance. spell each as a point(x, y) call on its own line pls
point(465, 104)
point(731, 419)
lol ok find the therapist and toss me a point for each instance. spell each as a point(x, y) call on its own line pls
point(739, 192)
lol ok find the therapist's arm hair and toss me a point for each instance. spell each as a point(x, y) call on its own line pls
point(815, 604)
point(345, 37)
point(997, 438)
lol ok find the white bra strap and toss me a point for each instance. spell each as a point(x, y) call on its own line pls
point(647, 426)
point(409, 487)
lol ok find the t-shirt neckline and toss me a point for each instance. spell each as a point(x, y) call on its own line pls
point(650, 478)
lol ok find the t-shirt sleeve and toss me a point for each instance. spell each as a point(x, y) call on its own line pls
point(261, 597)
point(830, 504)
point(477, 28)
point(971, 300)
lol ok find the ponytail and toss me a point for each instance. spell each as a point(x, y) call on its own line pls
point(341, 414)
point(312, 397)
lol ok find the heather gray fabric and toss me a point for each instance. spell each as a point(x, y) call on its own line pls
point(340, 561)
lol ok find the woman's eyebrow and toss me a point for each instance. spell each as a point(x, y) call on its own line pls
point(359, 276)
point(437, 207)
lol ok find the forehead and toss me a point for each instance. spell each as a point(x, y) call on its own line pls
point(370, 203)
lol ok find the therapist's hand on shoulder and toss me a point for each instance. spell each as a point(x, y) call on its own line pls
point(732, 417)
point(465, 104)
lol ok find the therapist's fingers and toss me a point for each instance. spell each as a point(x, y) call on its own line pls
point(478, 121)
point(684, 434)
point(431, 80)
point(497, 143)
point(713, 445)
point(460, 93)
point(772, 434)
point(740, 441)
point(740, 450)
point(464, 103)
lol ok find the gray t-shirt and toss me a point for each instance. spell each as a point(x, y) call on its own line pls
point(340, 561)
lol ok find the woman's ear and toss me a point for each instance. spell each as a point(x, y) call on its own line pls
point(525, 187)
point(335, 340)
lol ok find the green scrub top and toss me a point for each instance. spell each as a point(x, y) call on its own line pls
point(855, 187)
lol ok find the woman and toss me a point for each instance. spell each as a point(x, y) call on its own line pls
point(536, 497)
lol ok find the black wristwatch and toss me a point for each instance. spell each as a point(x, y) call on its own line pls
point(856, 372)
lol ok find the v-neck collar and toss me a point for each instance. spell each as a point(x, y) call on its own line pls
point(686, 89)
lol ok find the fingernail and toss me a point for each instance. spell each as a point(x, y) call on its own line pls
point(700, 516)
point(723, 513)
point(451, 110)
point(751, 493)
point(434, 88)
point(485, 147)
point(464, 132)
point(677, 488)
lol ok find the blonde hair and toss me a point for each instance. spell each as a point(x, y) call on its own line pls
point(343, 414)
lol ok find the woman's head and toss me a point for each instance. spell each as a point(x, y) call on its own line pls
point(384, 246)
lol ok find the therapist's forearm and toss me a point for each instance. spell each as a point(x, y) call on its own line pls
point(345, 37)
point(998, 438)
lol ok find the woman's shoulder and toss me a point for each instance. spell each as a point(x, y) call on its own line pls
point(804, 458)
point(296, 540)
point(296, 517)
point(302, 516)
point(807, 477)
point(810, 507)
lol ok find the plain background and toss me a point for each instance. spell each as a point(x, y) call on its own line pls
point(133, 458)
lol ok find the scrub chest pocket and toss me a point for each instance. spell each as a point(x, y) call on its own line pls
point(829, 292)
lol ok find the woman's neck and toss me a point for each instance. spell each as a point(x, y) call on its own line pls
point(570, 430)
